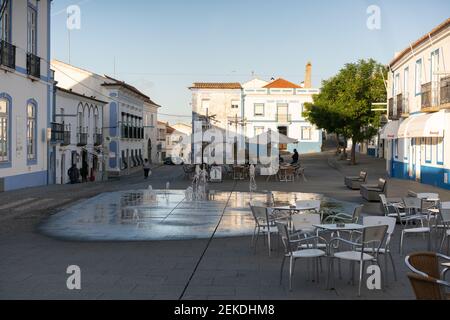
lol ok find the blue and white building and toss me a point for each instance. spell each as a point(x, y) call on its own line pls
point(26, 93)
point(417, 139)
point(123, 115)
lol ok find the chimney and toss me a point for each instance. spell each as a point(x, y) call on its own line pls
point(308, 83)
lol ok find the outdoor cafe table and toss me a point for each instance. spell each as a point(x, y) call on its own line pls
point(337, 227)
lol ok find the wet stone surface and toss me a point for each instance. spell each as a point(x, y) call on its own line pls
point(145, 215)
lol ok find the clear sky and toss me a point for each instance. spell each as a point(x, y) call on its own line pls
point(162, 46)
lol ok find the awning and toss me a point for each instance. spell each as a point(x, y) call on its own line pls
point(423, 126)
point(390, 131)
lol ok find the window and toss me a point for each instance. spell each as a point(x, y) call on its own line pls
point(31, 44)
point(234, 104)
point(306, 133)
point(151, 120)
point(440, 151)
point(428, 148)
point(4, 138)
point(406, 82)
point(5, 27)
point(418, 80)
point(259, 109)
point(396, 148)
point(31, 131)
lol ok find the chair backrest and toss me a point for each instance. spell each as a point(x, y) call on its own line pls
point(259, 213)
point(411, 202)
point(426, 288)
point(382, 185)
point(284, 234)
point(425, 264)
point(315, 204)
point(381, 221)
point(357, 214)
point(304, 221)
point(374, 236)
point(383, 200)
point(412, 194)
point(363, 176)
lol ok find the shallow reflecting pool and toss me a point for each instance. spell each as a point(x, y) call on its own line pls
point(166, 215)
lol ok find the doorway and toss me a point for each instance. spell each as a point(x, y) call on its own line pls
point(149, 151)
point(283, 131)
point(63, 168)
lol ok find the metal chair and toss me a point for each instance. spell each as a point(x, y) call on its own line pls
point(390, 209)
point(371, 237)
point(294, 250)
point(386, 250)
point(345, 217)
point(413, 210)
point(264, 224)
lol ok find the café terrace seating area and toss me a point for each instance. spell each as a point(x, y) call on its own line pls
point(327, 242)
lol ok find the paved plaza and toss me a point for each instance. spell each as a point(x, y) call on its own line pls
point(33, 262)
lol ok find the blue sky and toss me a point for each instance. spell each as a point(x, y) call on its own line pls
point(162, 46)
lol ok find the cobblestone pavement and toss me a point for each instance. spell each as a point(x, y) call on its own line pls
point(33, 266)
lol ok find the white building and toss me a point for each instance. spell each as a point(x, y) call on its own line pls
point(151, 131)
point(161, 141)
point(418, 137)
point(123, 117)
point(78, 134)
point(26, 86)
point(179, 133)
point(279, 106)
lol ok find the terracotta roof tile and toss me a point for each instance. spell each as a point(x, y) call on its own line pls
point(281, 83)
point(216, 85)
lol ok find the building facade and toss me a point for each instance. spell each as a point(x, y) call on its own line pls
point(258, 106)
point(279, 106)
point(161, 151)
point(77, 131)
point(26, 93)
point(123, 117)
point(417, 138)
point(151, 131)
point(177, 138)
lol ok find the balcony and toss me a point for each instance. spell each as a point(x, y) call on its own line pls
point(33, 66)
point(7, 55)
point(445, 92)
point(426, 97)
point(82, 137)
point(283, 118)
point(391, 115)
point(67, 136)
point(98, 138)
point(125, 132)
point(57, 132)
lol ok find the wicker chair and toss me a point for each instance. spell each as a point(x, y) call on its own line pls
point(426, 288)
point(426, 264)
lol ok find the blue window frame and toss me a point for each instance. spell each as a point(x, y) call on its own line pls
point(395, 148)
point(5, 22)
point(5, 130)
point(31, 132)
point(418, 77)
point(440, 143)
point(428, 150)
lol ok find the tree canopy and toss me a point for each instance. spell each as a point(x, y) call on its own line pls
point(344, 105)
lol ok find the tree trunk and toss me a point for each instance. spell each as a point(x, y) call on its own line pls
point(353, 153)
point(338, 146)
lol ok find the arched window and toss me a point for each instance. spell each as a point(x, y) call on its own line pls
point(31, 131)
point(4, 127)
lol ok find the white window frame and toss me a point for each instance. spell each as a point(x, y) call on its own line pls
point(260, 105)
point(32, 30)
point(31, 131)
point(310, 133)
point(4, 126)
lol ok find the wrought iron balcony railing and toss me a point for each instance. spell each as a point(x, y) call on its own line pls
point(7, 55)
point(445, 90)
point(33, 65)
point(82, 136)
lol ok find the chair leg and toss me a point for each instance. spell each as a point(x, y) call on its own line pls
point(291, 270)
point(339, 269)
point(401, 243)
point(268, 243)
point(393, 265)
point(385, 257)
point(282, 267)
point(361, 268)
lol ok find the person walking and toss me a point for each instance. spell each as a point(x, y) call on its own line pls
point(84, 172)
point(146, 168)
point(295, 157)
point(74, 174)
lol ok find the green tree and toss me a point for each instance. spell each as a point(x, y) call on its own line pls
point(344, 105)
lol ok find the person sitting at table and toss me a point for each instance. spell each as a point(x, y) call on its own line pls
point(295, 157)
point(281, 160)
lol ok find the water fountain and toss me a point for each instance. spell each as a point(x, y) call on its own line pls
point(199, 183)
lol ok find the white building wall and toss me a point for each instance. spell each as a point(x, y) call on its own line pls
point(18, 89)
